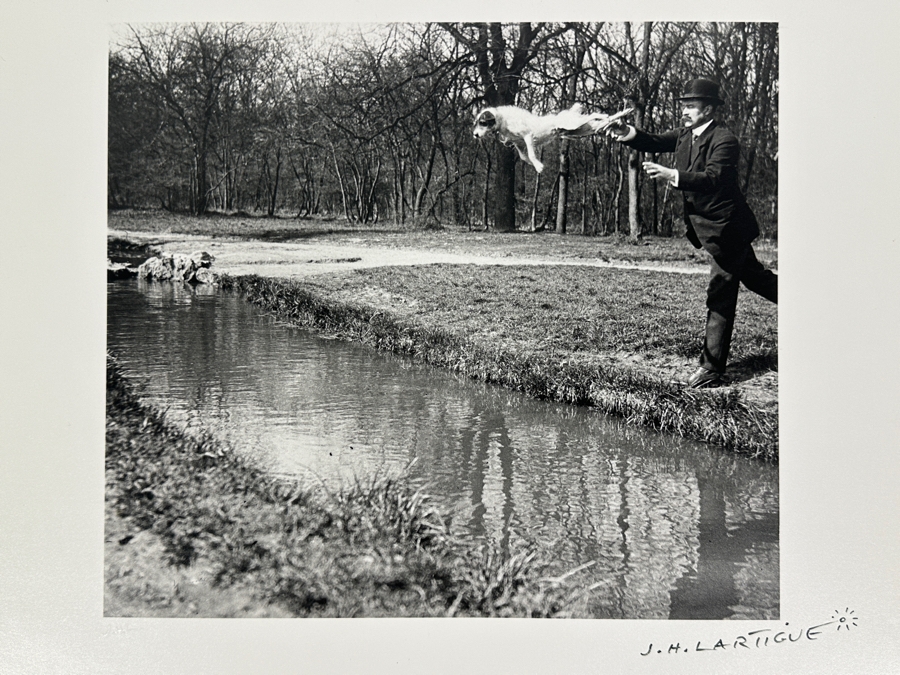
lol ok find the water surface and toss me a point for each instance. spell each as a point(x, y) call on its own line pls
point(674, 529)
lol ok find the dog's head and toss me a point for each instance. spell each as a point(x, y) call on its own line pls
point(485, 123)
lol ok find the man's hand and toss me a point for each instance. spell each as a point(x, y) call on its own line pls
point(617, 129)
point(660, 172)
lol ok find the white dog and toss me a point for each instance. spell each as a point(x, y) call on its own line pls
point(526, 131)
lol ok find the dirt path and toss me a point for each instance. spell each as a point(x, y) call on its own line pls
point(303, 259)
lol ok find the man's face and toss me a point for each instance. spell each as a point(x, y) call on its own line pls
point(695, 112)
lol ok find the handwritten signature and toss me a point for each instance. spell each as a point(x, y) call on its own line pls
point(760, 639)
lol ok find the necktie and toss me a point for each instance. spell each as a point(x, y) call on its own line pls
point(686, 157)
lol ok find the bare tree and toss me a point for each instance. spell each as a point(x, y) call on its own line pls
point(640, 66)
point(583, 38)
point(188, 68)
point(501, 54)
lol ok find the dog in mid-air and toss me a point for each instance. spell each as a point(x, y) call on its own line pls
point(526, 131)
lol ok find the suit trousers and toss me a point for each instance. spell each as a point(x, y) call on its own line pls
point(727, 273)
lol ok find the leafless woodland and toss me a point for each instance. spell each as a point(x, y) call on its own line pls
point(373, 122)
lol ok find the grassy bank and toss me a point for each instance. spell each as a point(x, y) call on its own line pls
point(608, 338)
point(192, 529)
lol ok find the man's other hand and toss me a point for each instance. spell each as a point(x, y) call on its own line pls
point(660, 172)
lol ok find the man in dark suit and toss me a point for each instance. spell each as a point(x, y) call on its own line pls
point(717, 216)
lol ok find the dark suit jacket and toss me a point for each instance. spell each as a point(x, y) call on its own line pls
point(715, 211)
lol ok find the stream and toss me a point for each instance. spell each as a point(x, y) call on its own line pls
point(670, 528)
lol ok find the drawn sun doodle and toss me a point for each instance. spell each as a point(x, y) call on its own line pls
point(845, 619)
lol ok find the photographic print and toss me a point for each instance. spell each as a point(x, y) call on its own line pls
point(418, 351)
point(443, 320)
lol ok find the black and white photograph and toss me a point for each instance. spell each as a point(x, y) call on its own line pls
point(441, 319)
point(448, 346)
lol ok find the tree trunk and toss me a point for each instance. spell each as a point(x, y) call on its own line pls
point(562, 198)
point(639, 103)
point(505, 207)
point(487, 192)
point(584, 208)
point(340, 177)
point(634, 187)
point(634, 223)
point(371, 206)
point(202, 184)
point(358, 187)
point(549, 210)
point(601, 214)
point(401, 186)
point(570, 91)
point(274, 196)
point(228, 196)
point(192, 192)
point(620, 180)
point(426, 182)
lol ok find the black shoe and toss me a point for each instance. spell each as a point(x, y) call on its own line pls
point(704, 379)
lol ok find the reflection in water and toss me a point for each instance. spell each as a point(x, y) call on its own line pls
point(676, 529)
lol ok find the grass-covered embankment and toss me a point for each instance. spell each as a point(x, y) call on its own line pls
point(610, 338)
point(195, 529)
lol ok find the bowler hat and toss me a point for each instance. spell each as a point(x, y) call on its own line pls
point(702, 88)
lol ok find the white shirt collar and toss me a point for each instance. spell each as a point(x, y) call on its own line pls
point(699, 130)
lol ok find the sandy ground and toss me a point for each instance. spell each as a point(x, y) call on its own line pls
point(303, 259)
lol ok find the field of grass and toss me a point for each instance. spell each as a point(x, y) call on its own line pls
point(554, 310)
point(194, 530)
